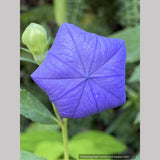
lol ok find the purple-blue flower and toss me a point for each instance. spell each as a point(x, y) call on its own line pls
point(83, 73)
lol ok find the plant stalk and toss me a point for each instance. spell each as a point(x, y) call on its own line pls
point(56, 113)
point(63, 124)
point(65, 138)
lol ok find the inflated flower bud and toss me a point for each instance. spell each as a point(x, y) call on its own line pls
point(35, 38)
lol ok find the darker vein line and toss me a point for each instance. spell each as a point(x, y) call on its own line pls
point(69, 91)
point(58, 78)
point(93, 56)
point(105, 89)
point(93, 96)
point(108, 76)
point(79, 99)
point(67, 64)
point(108, 59)
point(56, 45)
point(76, 48)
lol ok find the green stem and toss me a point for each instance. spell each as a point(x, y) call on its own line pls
point(63, 124)
point(56, 112)
point(65, 138)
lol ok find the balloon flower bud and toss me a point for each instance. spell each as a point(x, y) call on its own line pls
point(35, 38)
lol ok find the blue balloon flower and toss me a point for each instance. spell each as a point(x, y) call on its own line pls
point(83, 73)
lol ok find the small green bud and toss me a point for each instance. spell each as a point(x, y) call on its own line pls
point(35, 38)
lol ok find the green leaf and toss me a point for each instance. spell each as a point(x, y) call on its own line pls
point(34, 127)
point(94, 142)
point(26, 56)
point(127, 105)
point(38, 14)
point(25, 50)
point(137, 119)
point(30, 140)
point(132, 41)
point(25, 59)
point(133, 56)
point(136, 75)
point(60, 11)
point(32, 108)
point(119, 120)
point(82, 146)
point(131, 93)
point(24, 155)
point(49, 150)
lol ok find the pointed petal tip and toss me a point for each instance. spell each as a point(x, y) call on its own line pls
point(33, 75)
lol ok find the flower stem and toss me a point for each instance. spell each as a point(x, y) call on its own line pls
point(63, 124)
point(56, 112)
point(65, 138)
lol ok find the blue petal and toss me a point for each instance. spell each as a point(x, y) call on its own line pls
point(83, 73)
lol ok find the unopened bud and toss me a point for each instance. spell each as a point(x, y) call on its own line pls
point(35, 38)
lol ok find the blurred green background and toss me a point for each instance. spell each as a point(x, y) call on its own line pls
point(110, 18)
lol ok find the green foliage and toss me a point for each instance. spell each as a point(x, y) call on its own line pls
point(37, 14)
point(75, 11)
point(24, 155)
point(128, 13)
point(80, 14)
point(26, 56)
point(43, 140)
point(49, 150)
point(137, 119)
point(113, 15)
point(78, 125)
point(34, 127)
point(132, 41)
point(31, 108)
point(25, 59)
point(106, 116)
point(25, 50)
point(30, 140)
point(94, 142)
point(126, 115)
point(47, 143)
point(136, 75)
point(124, 124)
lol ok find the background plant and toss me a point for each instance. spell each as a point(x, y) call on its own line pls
point(118, 19)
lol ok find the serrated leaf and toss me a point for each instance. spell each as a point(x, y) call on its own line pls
point(49, 150)
point(60, 11)
point(94, 142)
point(32, 108)
point(30, 140)
point(24, 155)
point(136, 75)
point(132, 41)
